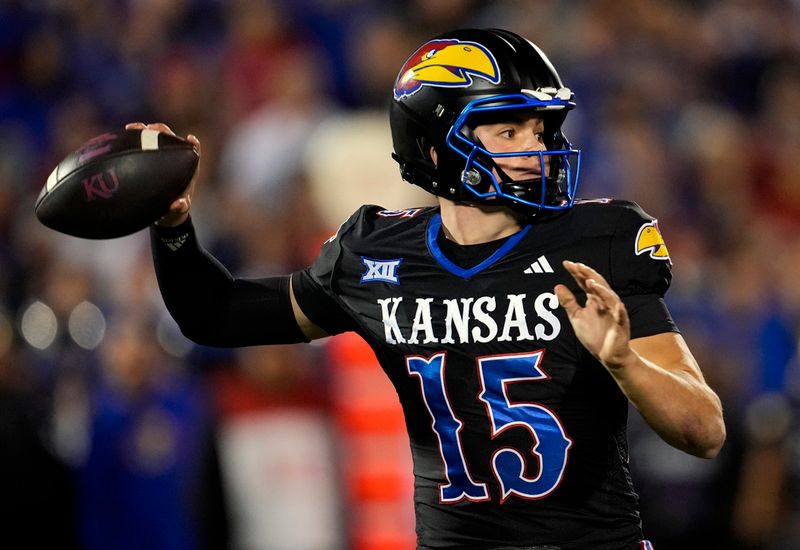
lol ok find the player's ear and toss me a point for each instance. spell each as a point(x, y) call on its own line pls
point(434, 156)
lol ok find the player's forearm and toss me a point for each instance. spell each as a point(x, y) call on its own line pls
point(190, 281)
point(682, 409)
point(213, 308)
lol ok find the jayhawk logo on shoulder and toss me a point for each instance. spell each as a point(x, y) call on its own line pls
point(447, 63)
point(649, 239)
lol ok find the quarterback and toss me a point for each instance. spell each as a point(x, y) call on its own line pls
point(515, 321)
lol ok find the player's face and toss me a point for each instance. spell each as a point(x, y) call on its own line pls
point(518, 132)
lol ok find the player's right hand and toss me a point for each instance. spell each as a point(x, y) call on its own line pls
point(179, 209)
point(602, 324)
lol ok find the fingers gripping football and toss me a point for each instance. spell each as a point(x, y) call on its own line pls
point(602, 323)
point(120, 182)
point(179, 209)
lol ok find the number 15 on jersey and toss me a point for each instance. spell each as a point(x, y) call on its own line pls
point(551, 443)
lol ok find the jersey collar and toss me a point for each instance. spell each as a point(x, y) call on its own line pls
point(433, 231)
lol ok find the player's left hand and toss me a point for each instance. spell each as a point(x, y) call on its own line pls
point(602, 324)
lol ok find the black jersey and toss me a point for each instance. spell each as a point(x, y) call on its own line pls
point(518, 435)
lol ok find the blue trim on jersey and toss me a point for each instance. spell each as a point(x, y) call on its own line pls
point(433, 231)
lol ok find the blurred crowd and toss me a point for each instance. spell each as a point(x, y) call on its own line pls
point(117, 432)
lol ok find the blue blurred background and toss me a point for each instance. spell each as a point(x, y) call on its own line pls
point(118, 433)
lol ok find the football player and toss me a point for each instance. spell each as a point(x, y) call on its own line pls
point(515, 322)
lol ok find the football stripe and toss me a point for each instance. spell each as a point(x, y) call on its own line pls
point(149, 139)
point(52, 180)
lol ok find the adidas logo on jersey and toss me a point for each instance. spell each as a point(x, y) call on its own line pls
point(541, 265)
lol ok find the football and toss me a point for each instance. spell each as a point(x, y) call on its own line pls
point(116, 183)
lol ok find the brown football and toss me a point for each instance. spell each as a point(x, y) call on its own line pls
point(116, 184)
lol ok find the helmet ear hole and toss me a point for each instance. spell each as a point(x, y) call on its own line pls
point(426, 150)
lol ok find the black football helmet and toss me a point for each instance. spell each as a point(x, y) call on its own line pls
point(466, 77)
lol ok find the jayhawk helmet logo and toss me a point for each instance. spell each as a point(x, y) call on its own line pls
point(649, 239)
point(447, 63)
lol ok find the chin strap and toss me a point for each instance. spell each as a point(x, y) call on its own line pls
point(529, 189)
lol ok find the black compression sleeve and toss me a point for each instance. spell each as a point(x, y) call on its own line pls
point(211, 306)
